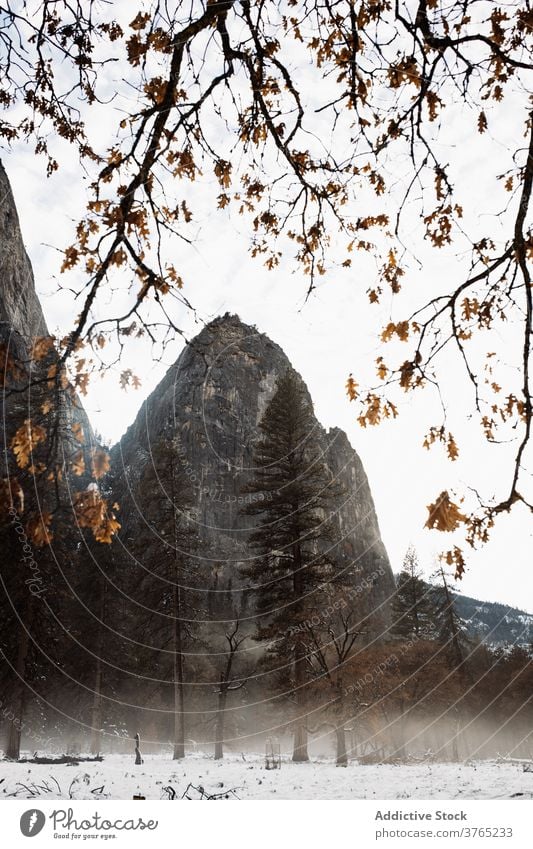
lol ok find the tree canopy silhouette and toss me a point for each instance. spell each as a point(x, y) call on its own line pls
point(326, 125)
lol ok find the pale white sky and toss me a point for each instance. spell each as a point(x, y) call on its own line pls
point(334, 333)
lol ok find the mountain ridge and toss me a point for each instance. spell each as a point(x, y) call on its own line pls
point(496, 624)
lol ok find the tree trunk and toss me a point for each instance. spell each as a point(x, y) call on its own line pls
point(18, 697)
point(399, 734)
point(300, 753)
point(138, 756)
point(179, 701)
point(400, 749)
point(461, 747)
point(97, 712)
point(454, 741)
point(354, 744)
point(455, 750)
point(219, 725)
point(14, 732)
point(342, 755)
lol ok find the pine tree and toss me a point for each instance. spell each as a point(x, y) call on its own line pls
point(167, 545)
point(450, 628)
point(414, 610)
point(452, 634)
point(292, 490)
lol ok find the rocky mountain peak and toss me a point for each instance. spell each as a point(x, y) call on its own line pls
point(211, 402)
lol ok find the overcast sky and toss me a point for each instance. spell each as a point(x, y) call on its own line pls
point(326, 338)
point(330, 335)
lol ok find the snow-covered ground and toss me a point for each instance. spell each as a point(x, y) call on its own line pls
point(118, 778)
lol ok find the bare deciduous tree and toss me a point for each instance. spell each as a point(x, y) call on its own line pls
point(324, 125)
point(227, 685)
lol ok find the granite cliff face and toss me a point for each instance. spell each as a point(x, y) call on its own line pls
point(21, 319)
point(210, 402)
point(20, 309)
point(21, 322)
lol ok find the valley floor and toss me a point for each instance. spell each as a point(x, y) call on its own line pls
point(117, 778)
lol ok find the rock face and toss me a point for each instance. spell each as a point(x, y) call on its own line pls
point(19, 305)
point(210, 402)
point(21, 321)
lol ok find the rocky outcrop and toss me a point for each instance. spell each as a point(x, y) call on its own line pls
point(210, 402)
point(20, 309)
point(24, 380)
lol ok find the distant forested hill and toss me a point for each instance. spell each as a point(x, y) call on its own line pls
point(497, 624)
point(494, 623)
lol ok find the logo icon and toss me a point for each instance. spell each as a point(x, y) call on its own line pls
point(32, 822)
